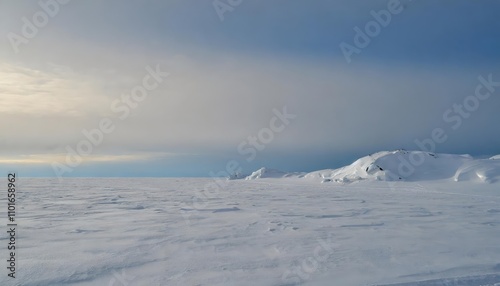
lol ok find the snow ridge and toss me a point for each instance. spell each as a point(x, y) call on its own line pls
point(271, 173)
point(402, 165)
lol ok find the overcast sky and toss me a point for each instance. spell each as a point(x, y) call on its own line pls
point(229, 66)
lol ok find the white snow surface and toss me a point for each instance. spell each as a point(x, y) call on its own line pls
point(401, 165)
point(271, 173)
point(277, 232)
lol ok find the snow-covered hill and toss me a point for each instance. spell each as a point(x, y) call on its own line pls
point(271, 173)
point(402, 165)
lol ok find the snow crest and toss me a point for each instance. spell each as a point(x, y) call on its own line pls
point(402, 165)
point(271, 173)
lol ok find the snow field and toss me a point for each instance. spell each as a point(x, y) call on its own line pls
point(290, 231)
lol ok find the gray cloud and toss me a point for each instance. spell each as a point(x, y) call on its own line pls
point(227, 77)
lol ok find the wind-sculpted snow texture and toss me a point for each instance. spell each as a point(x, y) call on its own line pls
point(285, 231)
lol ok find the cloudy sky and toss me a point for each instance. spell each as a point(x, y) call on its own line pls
point(69, 67)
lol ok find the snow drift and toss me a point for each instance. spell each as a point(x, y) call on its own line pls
point(271, 173)
point(402, 165)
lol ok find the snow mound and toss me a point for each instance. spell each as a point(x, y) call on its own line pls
point(402, 165)
point(271, 173)
point(479, 171)
point(412, 166)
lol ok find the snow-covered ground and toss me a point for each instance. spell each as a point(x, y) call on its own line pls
point(279, 231)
